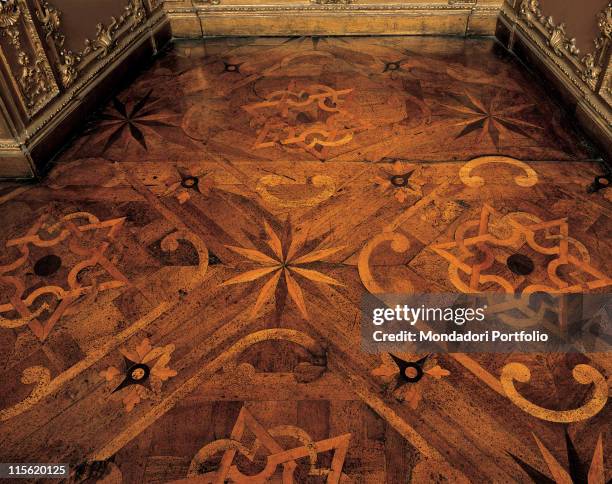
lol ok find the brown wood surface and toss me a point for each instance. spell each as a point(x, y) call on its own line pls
point(180, 298)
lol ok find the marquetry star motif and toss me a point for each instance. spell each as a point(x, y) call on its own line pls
point(402, 181)
point(145, 369)
point(190, 181)
point(229, 67)
point(286, 260)
point(489, 117)
point(405, 377)
point(578, 471)
point(393, 66)
point(121, 124)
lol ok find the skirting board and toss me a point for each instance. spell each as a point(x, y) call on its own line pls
point(365, 19)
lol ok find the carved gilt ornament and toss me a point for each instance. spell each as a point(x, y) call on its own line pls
point(589, 66)
point(23, 56)
point(70, 64)
point(9, 14)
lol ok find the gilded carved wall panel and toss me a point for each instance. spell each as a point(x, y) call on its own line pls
point(585, 76)
point(69, 63)
point(24, 59)
point(587, 65)
point(52, 61)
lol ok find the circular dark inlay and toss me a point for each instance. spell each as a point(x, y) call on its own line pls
point(304, 118)
point(190, 182)
point(412, 372)
point(520, 264)
point(393, 66)
point(213, 259)
point(47, 265)
point(138, 373)
point(599, 183)
point(329, 103)
point(232, 67)
point(399, 180)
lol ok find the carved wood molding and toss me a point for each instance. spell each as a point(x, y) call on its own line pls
point(450, 7)
point(49, 80)
point(23, 58)
point(588, 66)
point(331, 2)
point(606, 84)
point(8, 145)
point(71, 65)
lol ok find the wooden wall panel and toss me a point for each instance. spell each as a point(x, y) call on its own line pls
point(79, 19)
point(331, 17)
point(347, 22)
point(57, 58)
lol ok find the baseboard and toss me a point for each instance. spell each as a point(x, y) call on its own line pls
point(449, 18)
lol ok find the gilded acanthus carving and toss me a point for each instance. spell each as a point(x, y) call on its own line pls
point(70, 63)
point(32, 79)
point(24, 57)
point(594, 62)
point(558, 40)
point(590, 65)
point(602, 43)
point(50, 19)
point(605, 25)
point(9, 14)
point(106, 37)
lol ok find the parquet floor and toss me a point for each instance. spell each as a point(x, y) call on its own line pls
point(180, 297)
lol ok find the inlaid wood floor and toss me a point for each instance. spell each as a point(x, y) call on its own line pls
point(180, 298)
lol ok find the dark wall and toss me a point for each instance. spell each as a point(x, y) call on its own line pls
point(80, 17)
point(580, 18)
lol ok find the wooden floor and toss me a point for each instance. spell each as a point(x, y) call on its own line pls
point(180, 298)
